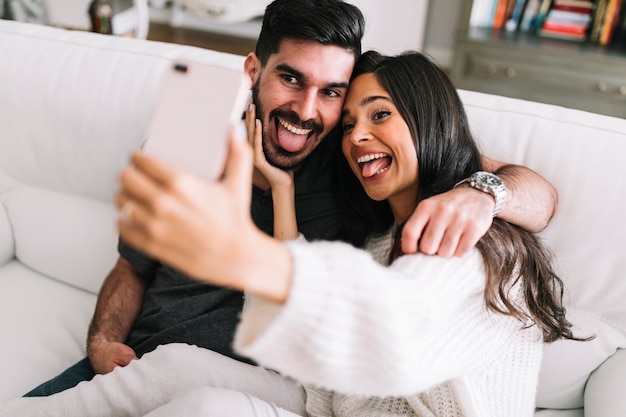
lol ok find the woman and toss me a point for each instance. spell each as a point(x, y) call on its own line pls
point(367, 332)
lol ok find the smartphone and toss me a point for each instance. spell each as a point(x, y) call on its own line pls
point(197, 106)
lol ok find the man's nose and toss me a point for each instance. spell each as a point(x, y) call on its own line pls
point(307, 105)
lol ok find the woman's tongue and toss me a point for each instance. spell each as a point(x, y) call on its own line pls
point(289, 141)
point(369, 169)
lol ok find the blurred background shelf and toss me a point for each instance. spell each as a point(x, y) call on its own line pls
point(576, 74)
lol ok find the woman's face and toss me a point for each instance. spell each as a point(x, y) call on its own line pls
point(378, 146)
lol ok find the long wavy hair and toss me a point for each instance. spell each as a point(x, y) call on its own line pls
point(447, 153)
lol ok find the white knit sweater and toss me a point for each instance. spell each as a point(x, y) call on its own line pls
point(410, 339)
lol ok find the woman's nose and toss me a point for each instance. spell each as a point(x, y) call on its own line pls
point(359, 135)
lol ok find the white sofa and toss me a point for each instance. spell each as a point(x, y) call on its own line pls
point(74, 105)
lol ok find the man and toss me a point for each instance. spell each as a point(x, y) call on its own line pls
point(300, 70)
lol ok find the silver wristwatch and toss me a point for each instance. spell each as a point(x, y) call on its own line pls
point(488, 183)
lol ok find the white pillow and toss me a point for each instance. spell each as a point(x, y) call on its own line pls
point(70, 238)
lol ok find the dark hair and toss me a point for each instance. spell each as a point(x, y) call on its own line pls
point(329, 22)
point(446, 151)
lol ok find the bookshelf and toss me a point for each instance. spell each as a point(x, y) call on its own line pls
point(522, 64)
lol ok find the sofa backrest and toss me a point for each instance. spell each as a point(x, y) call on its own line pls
point(73, 106)
point(581, 154)
point(77, 97)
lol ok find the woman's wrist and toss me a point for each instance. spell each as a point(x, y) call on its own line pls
point(268, 269)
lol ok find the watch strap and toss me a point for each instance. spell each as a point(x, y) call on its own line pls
point(489, 183)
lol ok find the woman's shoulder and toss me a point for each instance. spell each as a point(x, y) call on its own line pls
point(470, 263)
point(380, 245)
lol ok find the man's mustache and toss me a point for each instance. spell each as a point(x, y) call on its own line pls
point(292, 118)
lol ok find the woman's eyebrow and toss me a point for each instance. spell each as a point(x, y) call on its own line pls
point(369, 99)
point(365, 101)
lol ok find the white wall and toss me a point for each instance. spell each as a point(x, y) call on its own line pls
point(397, 25)
point(441, 30)
point(393, 26)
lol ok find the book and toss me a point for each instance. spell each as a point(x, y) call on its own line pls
point(619, 32)
point(568, 28)
point(527, 23)
point(598, 20)
point(477, 15)
point(491, 13)
point(568, 19)
point(561, 34)
point(500, 15)
point(575, 3)
point(512, 24)
point(543, 13)
point(610, 17)
point(578, 7)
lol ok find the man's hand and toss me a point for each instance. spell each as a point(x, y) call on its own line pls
point(105, 356)
point(449, 224)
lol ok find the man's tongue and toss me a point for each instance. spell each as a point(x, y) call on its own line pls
point(369, 169)
point(290, 141)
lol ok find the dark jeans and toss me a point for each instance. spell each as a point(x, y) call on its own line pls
point(79, 372)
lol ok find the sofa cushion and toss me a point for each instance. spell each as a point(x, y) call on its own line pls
point(70, 238)
point(579, 412)
point(606, 390)
point(567, 364)
point(46, 323)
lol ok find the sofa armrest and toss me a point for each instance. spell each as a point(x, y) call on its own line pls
point(7, 245)
point(605, 393)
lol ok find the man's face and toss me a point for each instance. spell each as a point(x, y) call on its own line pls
point(299, 94)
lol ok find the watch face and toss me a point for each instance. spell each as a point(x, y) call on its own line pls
point(488, 179)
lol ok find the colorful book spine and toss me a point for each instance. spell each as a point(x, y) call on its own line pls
point(512, 24)
point(612, 10)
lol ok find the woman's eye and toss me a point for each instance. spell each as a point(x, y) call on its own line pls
point(346, 127)
point(381, 114)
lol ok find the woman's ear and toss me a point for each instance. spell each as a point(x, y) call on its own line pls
point(252, 67)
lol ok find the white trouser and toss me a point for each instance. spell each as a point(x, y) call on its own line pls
point(175, 375)
point(219, 402)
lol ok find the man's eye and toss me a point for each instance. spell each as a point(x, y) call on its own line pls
point(289, 79)
point(332, 93)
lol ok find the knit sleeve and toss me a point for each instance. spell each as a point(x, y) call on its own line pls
point(355, 326)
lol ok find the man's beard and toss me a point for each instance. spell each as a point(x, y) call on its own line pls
point(276, 155)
